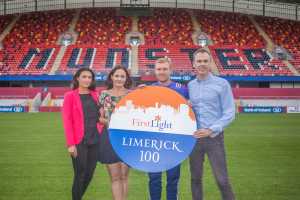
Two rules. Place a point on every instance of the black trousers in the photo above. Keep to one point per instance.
(214, 148)
(84, 166)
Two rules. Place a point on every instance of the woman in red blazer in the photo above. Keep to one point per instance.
(82, 128)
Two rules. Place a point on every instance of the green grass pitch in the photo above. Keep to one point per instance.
(263, 154)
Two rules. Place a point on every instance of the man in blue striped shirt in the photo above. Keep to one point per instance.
(213, 103)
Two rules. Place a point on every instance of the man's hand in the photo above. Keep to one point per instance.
(190, 103)
(201, 133)
(141, 86)
(72, 151)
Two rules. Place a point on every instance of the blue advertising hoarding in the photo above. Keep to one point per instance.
(12, 109)
(262, 109)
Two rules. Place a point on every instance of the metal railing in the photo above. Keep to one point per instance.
(256, 7)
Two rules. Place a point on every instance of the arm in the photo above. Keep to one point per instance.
(228, 111)
(102, 119)
(68, 120)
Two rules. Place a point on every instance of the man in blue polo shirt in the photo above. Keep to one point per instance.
(162, 72)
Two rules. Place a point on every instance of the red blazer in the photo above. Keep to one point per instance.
(73, 117)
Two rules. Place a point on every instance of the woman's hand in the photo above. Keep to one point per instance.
(102, 118)
(72, 151)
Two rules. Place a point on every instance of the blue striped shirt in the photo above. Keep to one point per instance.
(213, 103)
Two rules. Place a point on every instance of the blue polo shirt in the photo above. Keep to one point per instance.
(178, 87)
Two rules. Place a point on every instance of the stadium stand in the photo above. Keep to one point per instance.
(247, 61)
(167, 27)
(99, 58)
(285, 33)
(180, 55)
(229, 28)
(41, 28)
(238, 49)
(27, 59)
(4, 21)
(105, 30)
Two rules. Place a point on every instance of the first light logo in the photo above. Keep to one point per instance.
(157, 122)
(161, 117)
(151, 129)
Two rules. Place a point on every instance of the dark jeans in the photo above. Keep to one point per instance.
(84, 165)
(172, 184)
(214, 148)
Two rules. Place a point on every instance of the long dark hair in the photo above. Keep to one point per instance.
(75, 83)
(109, 82)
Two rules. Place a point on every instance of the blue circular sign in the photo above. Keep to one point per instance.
(151, 129)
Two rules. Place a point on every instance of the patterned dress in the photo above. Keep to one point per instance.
(107, 154)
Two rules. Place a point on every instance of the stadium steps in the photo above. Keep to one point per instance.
(133, 60)
(270, 44)
(35, 103)
(58, 60)
(71, 29)
(47, 100)
(9, 28)
(196, 26)
(197, 31)
(74, 20)
(291, 67)
(63, 49)
(133, 63)
(134, 25)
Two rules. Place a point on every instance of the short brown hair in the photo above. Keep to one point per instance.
(201, 50)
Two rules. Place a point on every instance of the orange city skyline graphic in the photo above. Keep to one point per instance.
(166, 111)
(160, 96)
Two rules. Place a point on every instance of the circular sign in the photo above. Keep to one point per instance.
(151, 129)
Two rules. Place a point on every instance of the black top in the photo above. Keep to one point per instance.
(91, 117)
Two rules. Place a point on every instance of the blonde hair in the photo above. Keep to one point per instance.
(164, 60)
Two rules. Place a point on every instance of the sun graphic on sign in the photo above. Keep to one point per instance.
(157, 117)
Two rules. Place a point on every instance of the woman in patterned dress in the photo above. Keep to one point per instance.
(118, 85)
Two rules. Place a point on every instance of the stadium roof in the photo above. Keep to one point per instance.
(284, 1)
